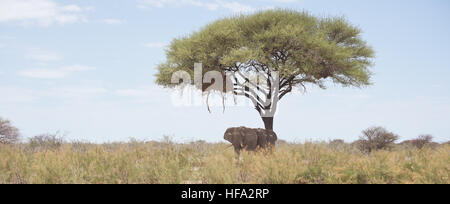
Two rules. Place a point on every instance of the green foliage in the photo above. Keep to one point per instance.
(302, 47)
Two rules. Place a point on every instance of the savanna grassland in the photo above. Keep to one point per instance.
(200, 162)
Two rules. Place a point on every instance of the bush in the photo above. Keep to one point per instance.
(8, 133)
(281, 142)
(81, 146)
(421, 142)
(376, 138)
(336, 144)
(46, 142)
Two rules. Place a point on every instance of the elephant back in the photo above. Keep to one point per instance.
(266, 137)
(250, 138)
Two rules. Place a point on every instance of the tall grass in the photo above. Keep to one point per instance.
(167, 162)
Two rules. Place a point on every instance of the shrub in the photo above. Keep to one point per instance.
(336, 144)
(81, 146)
(421, 142)
(46, 142)
(281, 142)
(8, 133)
(376, 138)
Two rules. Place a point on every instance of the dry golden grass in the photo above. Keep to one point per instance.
(153, 162)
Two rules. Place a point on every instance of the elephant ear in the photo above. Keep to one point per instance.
(250, 138)
(238, 138)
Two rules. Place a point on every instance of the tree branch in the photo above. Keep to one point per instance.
(245, 88)
(258, 106)
(251, 83)
(283, 93)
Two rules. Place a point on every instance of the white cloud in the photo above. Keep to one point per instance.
(43, 73)
(40, 12)
(155, 45)
(43, 55)
(2, 45)
(15, 94)
(71, 8)
(54, 73)
(111, 21)
(76, 92)
(77, 68)
(236, 7)
(213, 5)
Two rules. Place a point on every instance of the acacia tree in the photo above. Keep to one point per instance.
(8, 133)
(281, 49)
(376, 138)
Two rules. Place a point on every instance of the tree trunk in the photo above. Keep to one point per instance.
(268, 123)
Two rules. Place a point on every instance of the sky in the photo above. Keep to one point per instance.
(86, 69)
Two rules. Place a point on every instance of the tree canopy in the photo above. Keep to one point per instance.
(8, 133)
(301, 48)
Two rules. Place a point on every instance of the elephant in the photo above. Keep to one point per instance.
(250, 139)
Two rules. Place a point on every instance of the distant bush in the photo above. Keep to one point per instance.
(336, 144)
(421, 142)
(198, 142)
(8, 133)
(376, 138)
(356, 143)
(281, 142)
(81, 146)
(46, 142)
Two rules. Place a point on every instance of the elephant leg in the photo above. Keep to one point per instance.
(237, 148)
(262, 141)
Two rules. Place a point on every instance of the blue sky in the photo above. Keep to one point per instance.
(86, 68)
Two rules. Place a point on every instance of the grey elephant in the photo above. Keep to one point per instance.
(250, 139)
